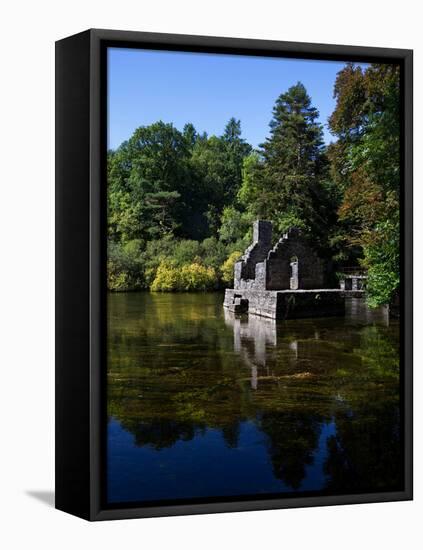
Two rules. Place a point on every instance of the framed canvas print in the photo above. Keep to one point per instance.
(233, 274)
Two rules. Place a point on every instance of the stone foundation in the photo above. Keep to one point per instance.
(286, 304)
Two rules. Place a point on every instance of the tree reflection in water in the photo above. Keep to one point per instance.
(286, 406)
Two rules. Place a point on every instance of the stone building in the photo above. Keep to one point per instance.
(290, 265)
(286, 280)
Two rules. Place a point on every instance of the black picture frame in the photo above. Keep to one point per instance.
(81, 251)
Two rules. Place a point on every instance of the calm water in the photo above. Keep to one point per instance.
(204, 404)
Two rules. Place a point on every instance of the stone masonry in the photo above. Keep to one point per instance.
(283, 281)
(290, 265)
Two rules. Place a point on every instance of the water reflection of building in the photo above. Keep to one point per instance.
(252, 336)
(298, 353)
(292, 434)
(256, 341)
(357, 311)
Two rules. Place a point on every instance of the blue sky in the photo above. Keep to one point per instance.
(207, 89)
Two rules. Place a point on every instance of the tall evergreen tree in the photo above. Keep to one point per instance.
(190, 134)
(286, 182)
(236, 149)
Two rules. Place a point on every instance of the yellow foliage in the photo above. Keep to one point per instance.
(117, 280)
(167, 278)
(227, 268)
(197, 277)
(188, 277)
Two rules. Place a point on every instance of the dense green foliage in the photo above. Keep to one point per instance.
(170, 198)
(181, 203)
(365, 164)
(188, 277)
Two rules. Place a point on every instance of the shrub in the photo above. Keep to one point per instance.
(227, 267)
(185, 251)
(213, 252)
(155, 253)
(171, 278)
(117, 280)
(382, 259)
(124, 271)
(167, 278)
(234, 224)
(197, 277)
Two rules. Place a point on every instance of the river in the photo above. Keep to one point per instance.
(203, 405)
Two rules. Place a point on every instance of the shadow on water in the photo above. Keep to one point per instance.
(203, 403)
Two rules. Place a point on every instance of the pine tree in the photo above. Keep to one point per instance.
(287, 185)
(236, 149)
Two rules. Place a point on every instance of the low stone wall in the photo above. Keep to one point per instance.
(286, 304)
(257, 302)
(301, 304)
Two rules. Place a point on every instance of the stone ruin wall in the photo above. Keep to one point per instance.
(264, 268)
(249, 272)
(310, 266)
